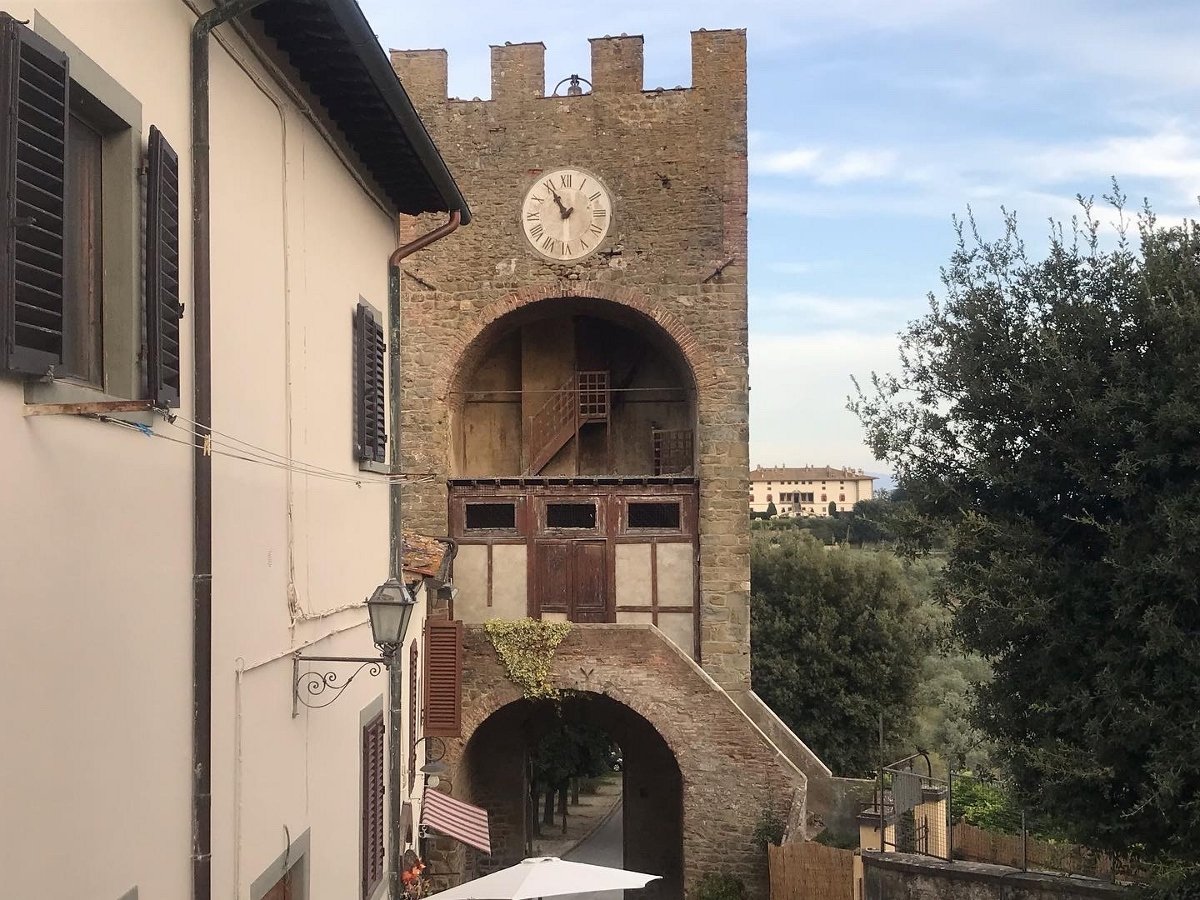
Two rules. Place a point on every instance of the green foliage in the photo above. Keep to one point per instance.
(568, 750)
(1046, 421)
(984, 805)
(720, 886)
(526, 649)
(846, 840)
(835, 643)
(771, 510)
(769, 829)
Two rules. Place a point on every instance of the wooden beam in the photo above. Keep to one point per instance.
(88, 409)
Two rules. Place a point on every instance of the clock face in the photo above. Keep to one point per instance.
(566, 214)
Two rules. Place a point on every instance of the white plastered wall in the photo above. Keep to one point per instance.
(95, 548)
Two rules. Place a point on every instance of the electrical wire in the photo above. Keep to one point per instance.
(215, 448)
(236, 443)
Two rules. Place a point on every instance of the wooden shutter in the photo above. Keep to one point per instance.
(413, 724)
(443, 678)
(370, 351)
(162, 273)
(372, 805)
(34, 85)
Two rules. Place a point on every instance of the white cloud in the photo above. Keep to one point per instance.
(819, 313)
(827, 167)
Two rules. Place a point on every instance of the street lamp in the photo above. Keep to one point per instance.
(390, 608)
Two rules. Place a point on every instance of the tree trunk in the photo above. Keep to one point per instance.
(548, 807)
(575, 791)
(562, 803)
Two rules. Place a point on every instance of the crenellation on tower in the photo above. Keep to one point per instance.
(617, 64)
(424, 74)
(518, 71)
(719, 59)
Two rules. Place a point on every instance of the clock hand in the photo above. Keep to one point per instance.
(566, 213)
(557, 199)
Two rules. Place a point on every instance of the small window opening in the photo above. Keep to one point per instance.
(570, 515)
(654, 515)
(491, 515)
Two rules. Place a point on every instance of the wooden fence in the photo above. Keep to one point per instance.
(807, 871)
(978, 845)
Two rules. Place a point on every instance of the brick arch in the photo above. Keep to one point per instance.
(483, 707)
(728, 771)
(467, 348)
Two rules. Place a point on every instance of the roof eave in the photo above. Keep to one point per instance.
(370, 52)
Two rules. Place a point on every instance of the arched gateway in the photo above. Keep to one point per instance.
(699, 775)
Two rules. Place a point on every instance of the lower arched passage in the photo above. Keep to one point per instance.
(493, 773)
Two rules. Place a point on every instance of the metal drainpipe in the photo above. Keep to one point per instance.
(396, 556)
(202, 521)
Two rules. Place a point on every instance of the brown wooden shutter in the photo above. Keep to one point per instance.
(34, 86)
(413, 724)
(443, 678)
(162, 273)
(372, 805)
(370, 350)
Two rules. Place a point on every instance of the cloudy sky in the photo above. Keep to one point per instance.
(872, 122)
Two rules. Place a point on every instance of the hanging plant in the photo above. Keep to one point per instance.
(526, 648)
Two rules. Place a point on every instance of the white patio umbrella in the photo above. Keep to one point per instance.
(545, 876)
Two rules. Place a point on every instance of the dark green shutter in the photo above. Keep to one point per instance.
(163, 357)
(370, 410)
(34, 85)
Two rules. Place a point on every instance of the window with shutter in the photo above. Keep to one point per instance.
(443, 678)
(413, 724)
(372, 805)
(370, 350)
(162, 272)
(34, 113)
(71, 219)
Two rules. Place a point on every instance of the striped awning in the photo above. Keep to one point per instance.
(456, 819)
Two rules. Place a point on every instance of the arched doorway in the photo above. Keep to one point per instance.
(493, 772)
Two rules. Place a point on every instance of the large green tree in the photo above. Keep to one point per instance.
(836, 641)
(1046, 417)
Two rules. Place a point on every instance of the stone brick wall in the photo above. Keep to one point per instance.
(730, 772)
(675, 163)
(905, 876)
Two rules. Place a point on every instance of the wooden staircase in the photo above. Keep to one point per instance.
(582, 399)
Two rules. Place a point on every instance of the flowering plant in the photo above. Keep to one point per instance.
(412, 877)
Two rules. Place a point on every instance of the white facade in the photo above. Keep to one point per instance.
(96, 536)
(808, 490)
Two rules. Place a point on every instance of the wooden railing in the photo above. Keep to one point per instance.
(672, 451)
(582, 398)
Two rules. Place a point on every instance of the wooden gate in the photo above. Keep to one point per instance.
(808, 871)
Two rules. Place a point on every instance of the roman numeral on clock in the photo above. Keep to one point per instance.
(594, 229)
(536, 231)
(594, 197)
(566, 180)
(532, 216)
(599, 213)
(548, 244)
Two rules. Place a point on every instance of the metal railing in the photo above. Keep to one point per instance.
(918, 812)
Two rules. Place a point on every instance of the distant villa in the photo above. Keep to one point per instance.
(808, 490)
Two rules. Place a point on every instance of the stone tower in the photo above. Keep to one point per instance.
(576, 382)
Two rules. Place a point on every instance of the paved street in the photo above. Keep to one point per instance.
(602, 848)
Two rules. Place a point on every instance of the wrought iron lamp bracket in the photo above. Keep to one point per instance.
(316, 690)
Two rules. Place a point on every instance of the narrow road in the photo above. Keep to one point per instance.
(603, 847)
